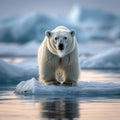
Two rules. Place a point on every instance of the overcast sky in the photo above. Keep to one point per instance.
(51, 7)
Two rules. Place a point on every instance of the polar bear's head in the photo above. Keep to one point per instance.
(60, 41)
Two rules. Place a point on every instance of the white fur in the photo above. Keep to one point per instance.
(55, 64)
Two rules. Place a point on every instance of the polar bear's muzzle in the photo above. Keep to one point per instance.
(61, 46)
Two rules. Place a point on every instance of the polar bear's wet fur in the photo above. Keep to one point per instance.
(58, 58)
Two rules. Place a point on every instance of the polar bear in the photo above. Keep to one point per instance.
(58, 58)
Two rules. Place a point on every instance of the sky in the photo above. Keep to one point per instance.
(54, 7)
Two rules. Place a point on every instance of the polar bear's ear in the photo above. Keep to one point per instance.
(72, 32)
(48, 33)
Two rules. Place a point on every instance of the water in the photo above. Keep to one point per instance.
(21, 107)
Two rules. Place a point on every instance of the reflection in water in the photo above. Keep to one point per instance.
(59, 109)
(14, 107)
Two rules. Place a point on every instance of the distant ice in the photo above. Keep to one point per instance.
(95, 24)
(27, 28)
(14, 73)
(79, 14)
(83, 89)
(89, 24)
(18, 50)
(106, 59)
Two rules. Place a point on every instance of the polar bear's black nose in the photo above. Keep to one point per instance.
(61, 46)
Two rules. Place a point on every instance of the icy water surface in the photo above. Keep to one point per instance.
(36, 107)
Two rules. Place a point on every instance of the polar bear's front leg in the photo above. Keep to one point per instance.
(72, 75)
(47, 76)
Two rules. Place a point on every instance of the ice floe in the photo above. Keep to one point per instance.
(83, 89)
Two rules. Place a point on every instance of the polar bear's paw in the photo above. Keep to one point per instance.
(69, 84)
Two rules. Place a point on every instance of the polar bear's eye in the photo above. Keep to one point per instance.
(65, 38)
(56, 38)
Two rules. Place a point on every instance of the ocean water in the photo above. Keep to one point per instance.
(84, 107)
